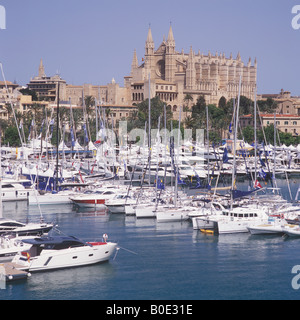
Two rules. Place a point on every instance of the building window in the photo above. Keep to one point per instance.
(286, 123)
(294, 123)
(278, 122)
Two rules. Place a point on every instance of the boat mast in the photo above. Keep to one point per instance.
(177, 159)
(234, 143)
(255, 139)
(274, 152)
(149, 129)
(1, 209)
(207, 138)
(57, 141)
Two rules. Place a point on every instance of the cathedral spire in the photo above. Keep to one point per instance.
(41, 70)
(149, 43)
(149, 37)
(135, 62)
(171, 40)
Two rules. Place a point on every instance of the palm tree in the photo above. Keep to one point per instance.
(134, 115)
(89, 104)
(189, 122)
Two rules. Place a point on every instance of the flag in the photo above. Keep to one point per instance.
(160, 185)
(85, 132)
(257, 184)
(230, 127)
(180, 181)
(225, 156)
(31, 125)
(262, 162)
(262, 174)
(72, 137)
(41, 131)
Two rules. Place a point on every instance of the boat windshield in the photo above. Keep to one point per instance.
(63, 245)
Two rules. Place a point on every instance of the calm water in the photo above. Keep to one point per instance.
(162, 261)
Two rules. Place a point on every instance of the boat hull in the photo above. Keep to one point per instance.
(28, 230)
(202, 223)
(265, 229)
(90, 203)
(172, 215)
(145, 211)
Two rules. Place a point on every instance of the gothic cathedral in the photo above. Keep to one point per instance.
(174, 75)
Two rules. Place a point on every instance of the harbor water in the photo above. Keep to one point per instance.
(162, 261)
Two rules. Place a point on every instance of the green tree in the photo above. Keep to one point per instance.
(246, 105)
(267, 106)
(28, 92)
(248, 134)
(11, 136)
(157, 110)
(199, 107)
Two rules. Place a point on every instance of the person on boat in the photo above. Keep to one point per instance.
(105, 237)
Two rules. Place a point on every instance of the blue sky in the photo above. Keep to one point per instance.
(93, 41)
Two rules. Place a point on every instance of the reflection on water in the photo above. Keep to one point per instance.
(67, 283)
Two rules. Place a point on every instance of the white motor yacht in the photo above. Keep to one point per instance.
(47, 253)
(240, 219)
(14, 190)
(94, 199)
(118, 203)
(16, 227)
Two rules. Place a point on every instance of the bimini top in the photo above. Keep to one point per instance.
(53, 240)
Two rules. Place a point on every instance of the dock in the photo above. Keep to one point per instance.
(12, 273)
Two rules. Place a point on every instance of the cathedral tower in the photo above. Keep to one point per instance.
(149, 54)
(191, 71)
(170, 57)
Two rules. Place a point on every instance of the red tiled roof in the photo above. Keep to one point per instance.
(280, 115)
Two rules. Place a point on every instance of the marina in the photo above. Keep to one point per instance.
(126, 206)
